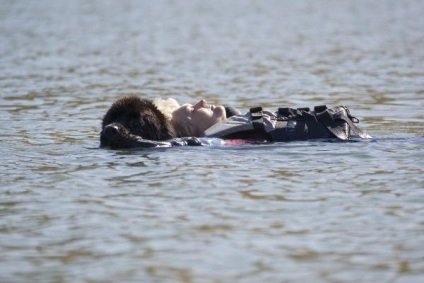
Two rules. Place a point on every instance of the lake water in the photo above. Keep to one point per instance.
(286, 212)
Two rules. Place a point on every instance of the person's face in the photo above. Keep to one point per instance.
(199, 116)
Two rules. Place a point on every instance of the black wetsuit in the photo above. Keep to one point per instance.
(289, 124)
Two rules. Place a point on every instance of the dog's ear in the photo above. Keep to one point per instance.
(157, 126)
(150, 127)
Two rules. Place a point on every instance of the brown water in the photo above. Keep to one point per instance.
(287, 212)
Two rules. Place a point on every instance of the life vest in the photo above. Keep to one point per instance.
(289, 124)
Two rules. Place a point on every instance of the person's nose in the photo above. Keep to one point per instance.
(202, 103)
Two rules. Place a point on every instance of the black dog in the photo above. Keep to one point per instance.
(132, 120)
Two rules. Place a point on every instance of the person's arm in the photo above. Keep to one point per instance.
(187, 141)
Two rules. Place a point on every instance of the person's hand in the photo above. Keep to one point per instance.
(186, 141)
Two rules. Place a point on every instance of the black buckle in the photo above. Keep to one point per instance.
(256, 112)
(320, 108)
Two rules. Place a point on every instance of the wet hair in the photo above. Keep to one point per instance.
(167, 106)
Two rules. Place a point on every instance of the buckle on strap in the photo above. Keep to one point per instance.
(257, 118)
(256, 112)
(320, 108)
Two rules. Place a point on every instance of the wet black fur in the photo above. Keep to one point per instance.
(132, 118)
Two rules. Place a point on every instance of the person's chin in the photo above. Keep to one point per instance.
(219, 112)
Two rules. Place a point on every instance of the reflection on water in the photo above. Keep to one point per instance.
(287, 212)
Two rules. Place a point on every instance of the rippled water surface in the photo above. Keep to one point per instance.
(286, 212)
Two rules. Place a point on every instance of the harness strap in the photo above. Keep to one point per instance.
(354, 128)
(288, 112)
(314, 127)
(328, 121)
(320, 108)
(257, 118)
(333, 124)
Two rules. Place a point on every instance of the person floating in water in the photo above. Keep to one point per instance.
(133, 122)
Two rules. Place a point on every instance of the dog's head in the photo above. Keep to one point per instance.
(132, 117)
